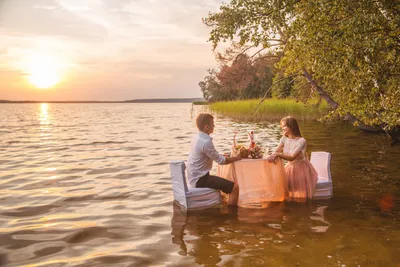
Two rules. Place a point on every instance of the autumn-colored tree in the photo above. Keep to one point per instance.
(244, 78)
(234, 78)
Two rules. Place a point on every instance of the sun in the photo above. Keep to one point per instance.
(43, 71)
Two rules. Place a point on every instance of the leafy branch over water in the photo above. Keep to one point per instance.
(347, 51)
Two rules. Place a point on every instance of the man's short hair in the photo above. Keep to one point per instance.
(203, 119)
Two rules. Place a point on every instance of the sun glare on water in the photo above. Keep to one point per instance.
(43, 71)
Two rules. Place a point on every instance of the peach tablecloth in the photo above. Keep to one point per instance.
(259, 180)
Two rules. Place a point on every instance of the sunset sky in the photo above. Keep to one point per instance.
(103, 49)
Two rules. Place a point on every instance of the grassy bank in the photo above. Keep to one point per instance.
(270, 109)
(200, 103)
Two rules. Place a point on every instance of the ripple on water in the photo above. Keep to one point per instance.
(90, 233)
(123, 176)
(119, 260)
(29, 211)
(282, 246)
(101, 171)
(80, 198)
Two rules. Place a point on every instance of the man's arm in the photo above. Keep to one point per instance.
(212, 153)
(229, 160)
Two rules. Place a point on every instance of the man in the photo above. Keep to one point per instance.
(201, 158)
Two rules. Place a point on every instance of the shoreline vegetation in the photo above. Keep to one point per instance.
(349, 57)
(148, 100)
(270, 109)
(200, 103)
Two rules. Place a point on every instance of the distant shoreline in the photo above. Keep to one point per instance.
(150, 100)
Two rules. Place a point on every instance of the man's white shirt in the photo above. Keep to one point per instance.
(201, 157)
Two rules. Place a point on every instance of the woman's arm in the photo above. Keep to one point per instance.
(272, 157)
(279, 148)
(296, 153)
(288, 157)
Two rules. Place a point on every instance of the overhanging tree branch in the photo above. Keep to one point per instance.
(266, 92)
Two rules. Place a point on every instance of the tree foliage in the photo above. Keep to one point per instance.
(212, 90)
(242, 79)
(348, 51)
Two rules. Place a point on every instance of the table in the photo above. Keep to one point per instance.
(258, 180)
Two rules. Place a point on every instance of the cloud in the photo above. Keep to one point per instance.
(145, 41)
(46, 18)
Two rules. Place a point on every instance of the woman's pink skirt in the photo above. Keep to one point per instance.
(302, 179)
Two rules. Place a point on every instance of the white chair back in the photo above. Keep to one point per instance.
(322, 161)
(179, 185)
(189, 197)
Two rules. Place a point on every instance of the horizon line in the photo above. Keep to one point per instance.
(108, 101)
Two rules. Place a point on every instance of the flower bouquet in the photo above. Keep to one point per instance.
(242, 150)
(254, 151)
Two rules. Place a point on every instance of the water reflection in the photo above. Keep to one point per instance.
(44, 114)
(226, 235)
(45, 128)
(318, 215)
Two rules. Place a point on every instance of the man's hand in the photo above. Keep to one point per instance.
(235, 153)
(232, 158)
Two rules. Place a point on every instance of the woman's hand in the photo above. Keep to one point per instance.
(273, 157)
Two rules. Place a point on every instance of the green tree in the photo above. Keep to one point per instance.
(283, 88)
(347, 51)
(263, 74)
(210, 86)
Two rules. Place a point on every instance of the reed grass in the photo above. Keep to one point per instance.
(271, 109)
(200, 103)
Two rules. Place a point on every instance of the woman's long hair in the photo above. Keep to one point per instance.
(292, 124)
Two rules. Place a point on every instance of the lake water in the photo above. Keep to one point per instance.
(89, 185)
